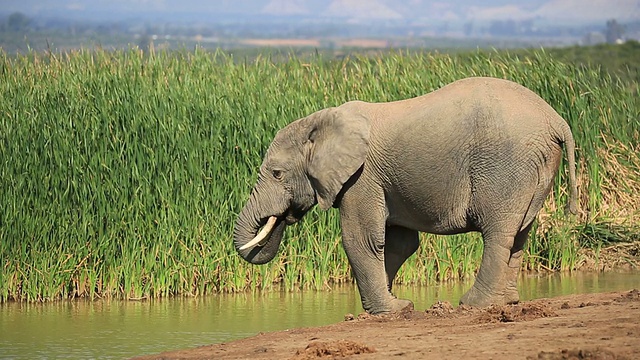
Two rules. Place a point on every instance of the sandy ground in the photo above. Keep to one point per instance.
(583, 326)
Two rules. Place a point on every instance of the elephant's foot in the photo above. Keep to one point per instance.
(393, 305)
(511, 295)
(478, 298)
(401, 305)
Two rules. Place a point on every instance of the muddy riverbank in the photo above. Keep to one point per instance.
(581, 326)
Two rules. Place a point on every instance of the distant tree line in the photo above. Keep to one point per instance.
(16, 22)
(143, 33)
(614, 31)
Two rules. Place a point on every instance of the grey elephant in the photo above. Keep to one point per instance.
(479, 154)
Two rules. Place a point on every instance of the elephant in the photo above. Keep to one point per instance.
(477, 155)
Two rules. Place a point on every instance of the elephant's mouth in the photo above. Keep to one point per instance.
(264, 235)
(293, 216)
(268, 227)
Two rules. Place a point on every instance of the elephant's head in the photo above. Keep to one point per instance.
(308, 162)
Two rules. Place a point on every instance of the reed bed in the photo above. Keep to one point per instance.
(121, 173)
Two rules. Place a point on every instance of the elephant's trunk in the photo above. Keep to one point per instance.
(265, 233)
(254, 247)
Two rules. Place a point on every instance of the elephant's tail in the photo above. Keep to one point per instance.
(569, 146)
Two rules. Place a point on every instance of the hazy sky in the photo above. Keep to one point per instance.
(450, 10)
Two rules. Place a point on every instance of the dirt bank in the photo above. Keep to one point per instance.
(587, 326)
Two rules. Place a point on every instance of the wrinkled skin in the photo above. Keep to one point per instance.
(477, 155)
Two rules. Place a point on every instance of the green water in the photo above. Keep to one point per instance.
(117, 329)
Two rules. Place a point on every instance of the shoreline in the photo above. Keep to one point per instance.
(602, 325)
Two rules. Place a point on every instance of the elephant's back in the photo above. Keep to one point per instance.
(503, 99)
(445, 145)
(476, 105)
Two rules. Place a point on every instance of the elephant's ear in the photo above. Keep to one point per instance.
(339, 142)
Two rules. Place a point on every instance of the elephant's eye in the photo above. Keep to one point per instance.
(277, 174)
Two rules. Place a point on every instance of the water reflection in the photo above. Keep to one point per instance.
(115, 329)
(536, 286)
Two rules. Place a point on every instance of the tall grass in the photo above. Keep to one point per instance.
(121, 174)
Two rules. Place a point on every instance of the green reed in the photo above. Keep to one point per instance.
(121, 174)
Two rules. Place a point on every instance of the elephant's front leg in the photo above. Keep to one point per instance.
(363, 236)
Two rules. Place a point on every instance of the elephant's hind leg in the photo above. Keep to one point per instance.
(494, 275)
(511, 295)
(400, 243)
(545, 181)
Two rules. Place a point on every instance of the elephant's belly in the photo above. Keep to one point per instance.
(443, 213)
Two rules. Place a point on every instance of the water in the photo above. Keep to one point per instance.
(120, 329)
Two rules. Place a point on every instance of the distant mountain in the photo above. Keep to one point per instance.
(357, 9)
(461, 10)
(285, 8)
(593, 10)
(360, 10)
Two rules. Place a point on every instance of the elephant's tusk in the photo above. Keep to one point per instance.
(266, 230)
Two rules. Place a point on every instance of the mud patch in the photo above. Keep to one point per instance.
(633, 295)
(408, 313)
(590, 303)
(511, 313)
(332, 350)
(577, 354)
(440, 309)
